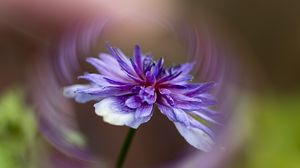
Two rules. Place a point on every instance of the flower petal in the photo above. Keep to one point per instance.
(123, 61)
(203, 87)
(114, 111)
(164, 91)
(137, 70)
(133, 102)
(115, 82)
(144, 111)
(95, 78)
(107, 69)
(185, 68)
(158, 67)
(108, 59)
(175, 115)
(107, 91)
(207, 99)
(169, 77)
(147, 63)
(167, 111)
(138, 56)
(205, 117)
(195, 137)
(182, 116)
(71, 92)
(150, 78)
(187, 103)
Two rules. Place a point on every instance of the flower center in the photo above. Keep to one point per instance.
(147, 94)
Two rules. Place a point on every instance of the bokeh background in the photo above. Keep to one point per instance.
(264, 34)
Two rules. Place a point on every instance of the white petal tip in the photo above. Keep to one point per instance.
(115, 114)
(196, 137)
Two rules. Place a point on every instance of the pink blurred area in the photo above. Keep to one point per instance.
(42, 14)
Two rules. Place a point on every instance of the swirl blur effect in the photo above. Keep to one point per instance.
(45, 45)
(57, 114)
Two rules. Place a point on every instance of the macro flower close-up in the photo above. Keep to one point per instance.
(127, 89)
(149, 84)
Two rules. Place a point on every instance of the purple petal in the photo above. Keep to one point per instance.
(148, 95)
(108, 69)
(95, 78)
(137, 70)
(133, 102)
(208, 111)
(194, 132)
(122, 59)
(181, 97)
(182, 116)
(185, 68)
(197, 124)
(167, 111)
(108, 59)
(187, 103)
(193, 86)
(179, 88)
(147, 63)
(207, 101)
(183, 79)
(107, 91)
(150, 77)
(169, 99)
(203, 87)
(175, 115)
(136, 79)
(158, 67)
(114, 111)
(168, 78)
(205, 117)
(138, 57)
(144, 110)
(116, 82)
(164, 91)
(122, 56)
(70, 92)
(98, 64)
(173, 86)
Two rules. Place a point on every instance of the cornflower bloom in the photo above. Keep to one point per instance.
(126, 89)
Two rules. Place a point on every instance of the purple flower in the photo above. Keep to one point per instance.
(126, 89)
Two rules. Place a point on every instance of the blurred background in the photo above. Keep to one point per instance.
(265, 39)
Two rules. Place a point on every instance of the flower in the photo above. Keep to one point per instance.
(126, 89)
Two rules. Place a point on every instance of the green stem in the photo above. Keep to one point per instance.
(125, 148)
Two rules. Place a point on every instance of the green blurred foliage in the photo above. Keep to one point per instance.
(275, 134)
(17, 131)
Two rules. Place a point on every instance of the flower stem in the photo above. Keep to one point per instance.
(125, 148)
